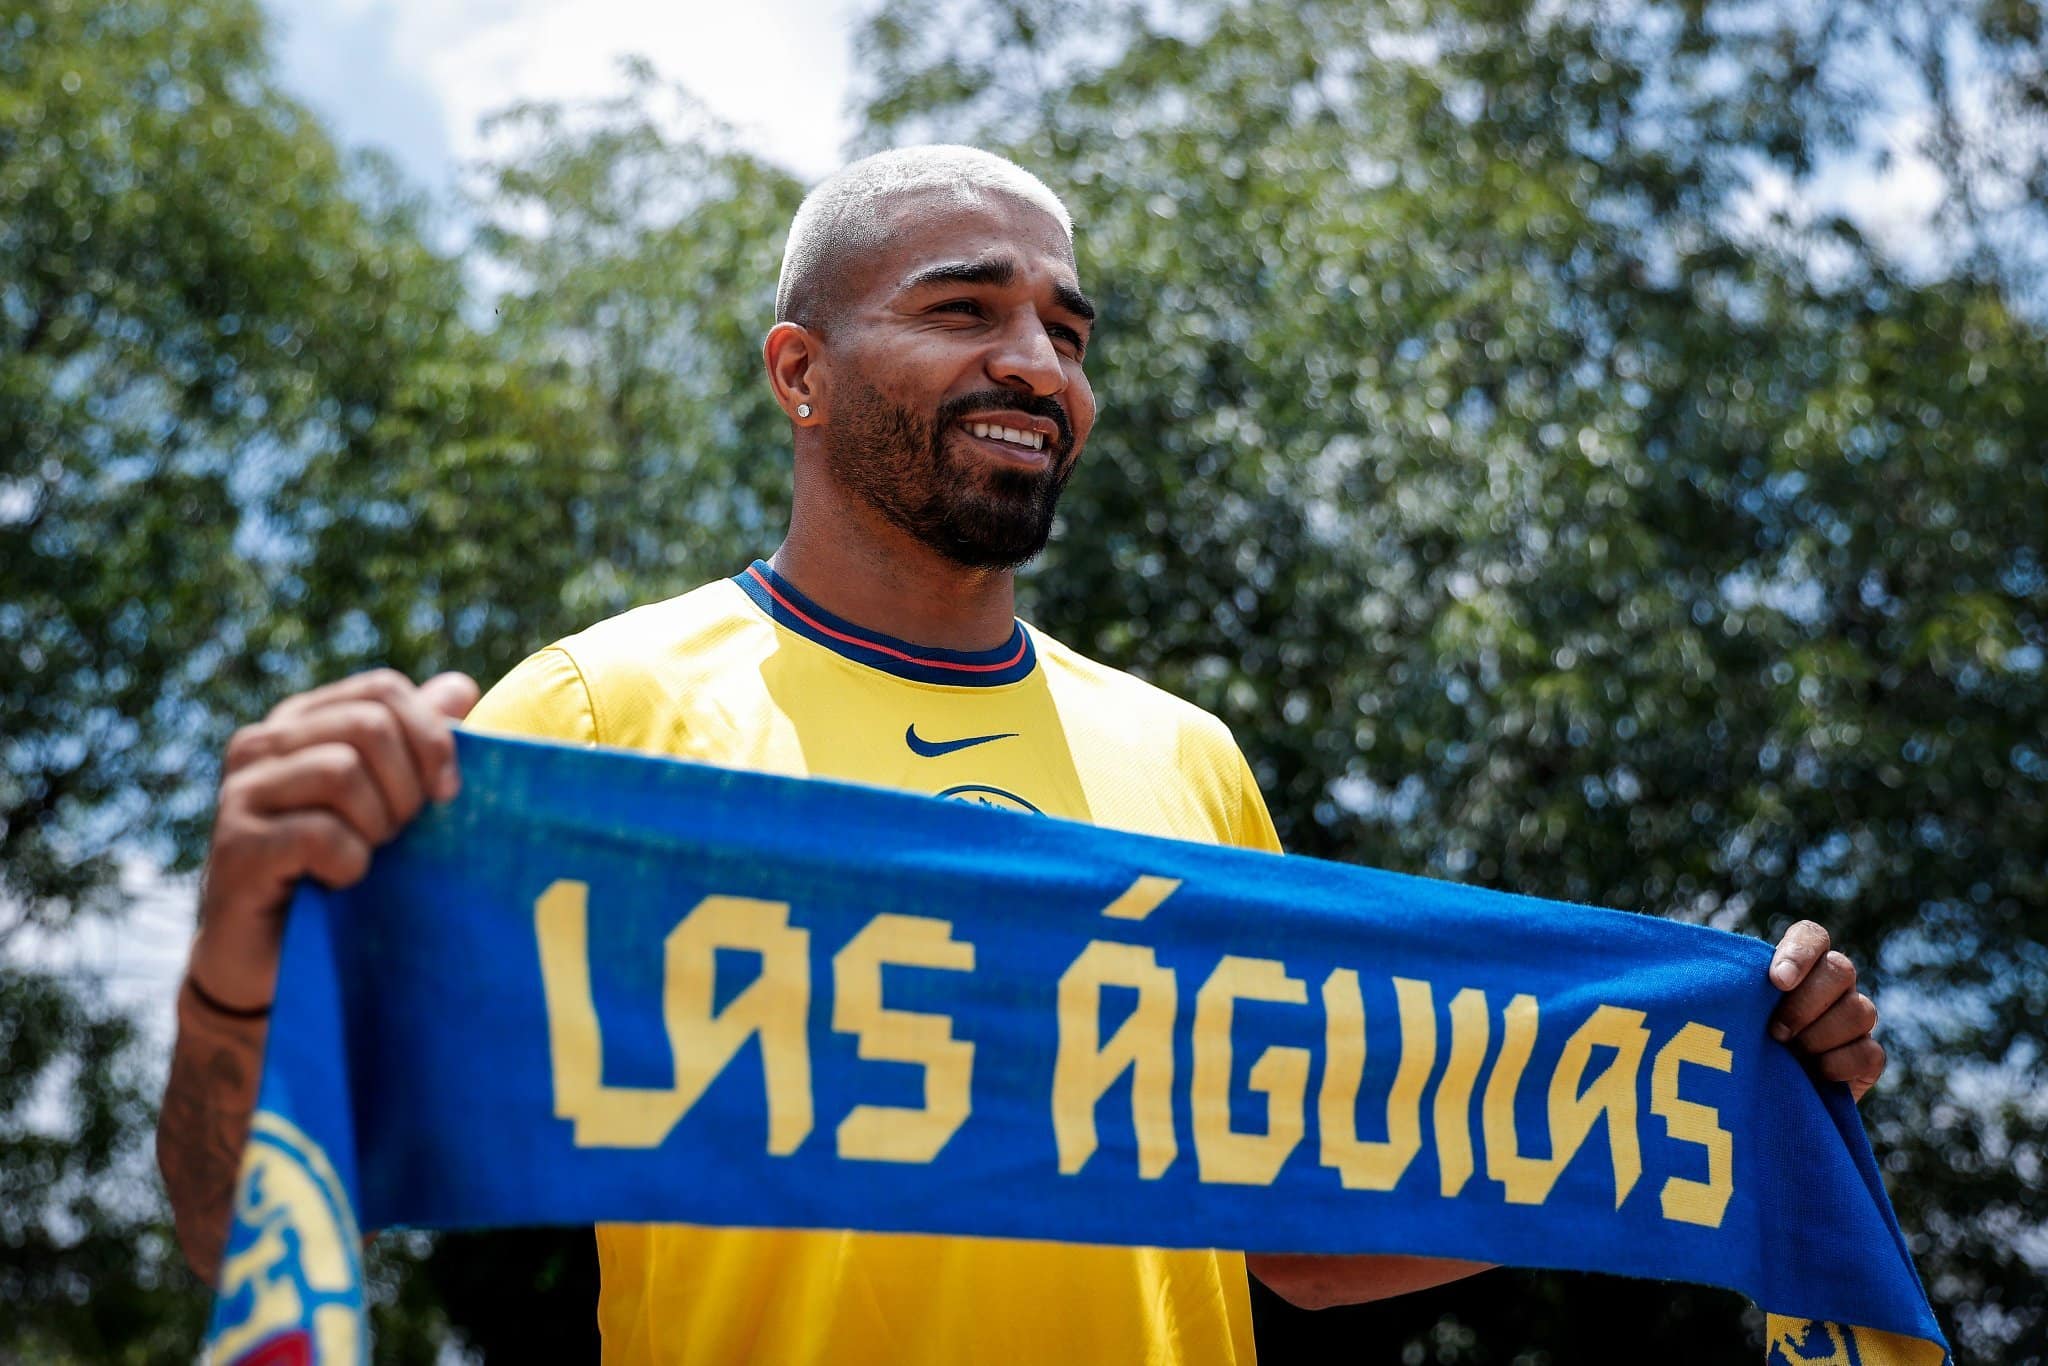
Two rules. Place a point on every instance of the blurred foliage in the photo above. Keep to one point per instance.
(1539, 505)
(89, 1271)
(192, 286)
(608, 440)
(1536, 519)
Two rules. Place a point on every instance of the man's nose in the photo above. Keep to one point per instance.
(1025, 356)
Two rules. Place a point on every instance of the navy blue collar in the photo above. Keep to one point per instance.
(778, 597)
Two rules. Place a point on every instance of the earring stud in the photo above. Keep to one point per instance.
(803, 410)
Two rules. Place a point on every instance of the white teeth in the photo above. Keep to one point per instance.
(990, 430)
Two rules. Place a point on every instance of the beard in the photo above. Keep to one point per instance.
(975, 514)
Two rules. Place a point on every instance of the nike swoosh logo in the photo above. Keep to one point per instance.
(932, 749)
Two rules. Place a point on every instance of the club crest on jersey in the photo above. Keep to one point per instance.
(292, 1278)
(981, 794)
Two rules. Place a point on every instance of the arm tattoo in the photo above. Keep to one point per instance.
(204, 1122)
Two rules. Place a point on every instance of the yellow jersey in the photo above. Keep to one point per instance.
(749, 673)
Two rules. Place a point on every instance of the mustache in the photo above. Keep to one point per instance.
(1038, 405)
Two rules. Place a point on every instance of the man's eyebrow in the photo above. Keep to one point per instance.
(997, 271)
(1073, 300)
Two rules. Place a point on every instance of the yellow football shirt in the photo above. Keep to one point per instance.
(749, 673)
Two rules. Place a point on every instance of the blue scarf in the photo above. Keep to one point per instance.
(538, 1006)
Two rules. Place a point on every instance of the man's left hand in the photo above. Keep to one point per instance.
(1823, 1015)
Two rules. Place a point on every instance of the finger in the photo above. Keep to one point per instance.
(255, 858)
(371, 728)
(1829, 981)
(370, 684)
(1801, 948)
(327, 777)
(1859, 1064)
(250, 870)
(428, 733)
(1848, 1019)
(322, 846)
(451, 694)
(431, 734)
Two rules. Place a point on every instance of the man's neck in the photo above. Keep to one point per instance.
(855, 565)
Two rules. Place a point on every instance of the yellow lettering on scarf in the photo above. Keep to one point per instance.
(1453, 1108)
(1143, 1044)
(1686, 1200)
(1365, 1164)
(775, 1007)
(892, 1133)
(701, 1042)
(1224, 1154)
(1573, 1111)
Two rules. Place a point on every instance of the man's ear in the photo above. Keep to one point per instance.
(795, 361)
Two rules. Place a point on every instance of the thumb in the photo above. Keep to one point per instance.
(451, 694)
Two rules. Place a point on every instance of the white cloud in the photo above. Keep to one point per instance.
(416, 78)
(1893, 203)
(340, 57)
(1885, 186)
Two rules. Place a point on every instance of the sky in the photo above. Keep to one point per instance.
(415, 78)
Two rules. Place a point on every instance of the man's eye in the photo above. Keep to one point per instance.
(959, 306)
(1068, 335)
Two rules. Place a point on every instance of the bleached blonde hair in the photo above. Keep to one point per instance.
(847, 212)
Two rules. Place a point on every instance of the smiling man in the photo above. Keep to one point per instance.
(929, 349)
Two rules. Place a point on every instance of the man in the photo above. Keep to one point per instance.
(929, 349)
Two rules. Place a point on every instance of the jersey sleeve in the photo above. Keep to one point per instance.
(1226, 787)
(1254, 823)
(543, 698)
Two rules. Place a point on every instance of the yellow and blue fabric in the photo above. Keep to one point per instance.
(608, 987)
(1206, 1056)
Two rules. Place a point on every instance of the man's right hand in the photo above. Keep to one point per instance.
(310, 791)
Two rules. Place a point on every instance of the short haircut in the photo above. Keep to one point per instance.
(846, 215)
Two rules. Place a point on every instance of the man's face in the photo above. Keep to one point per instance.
(969, 324)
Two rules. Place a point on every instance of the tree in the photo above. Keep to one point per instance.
(607, 442)
(189, 279)
(249, 443)
(1536, 522)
